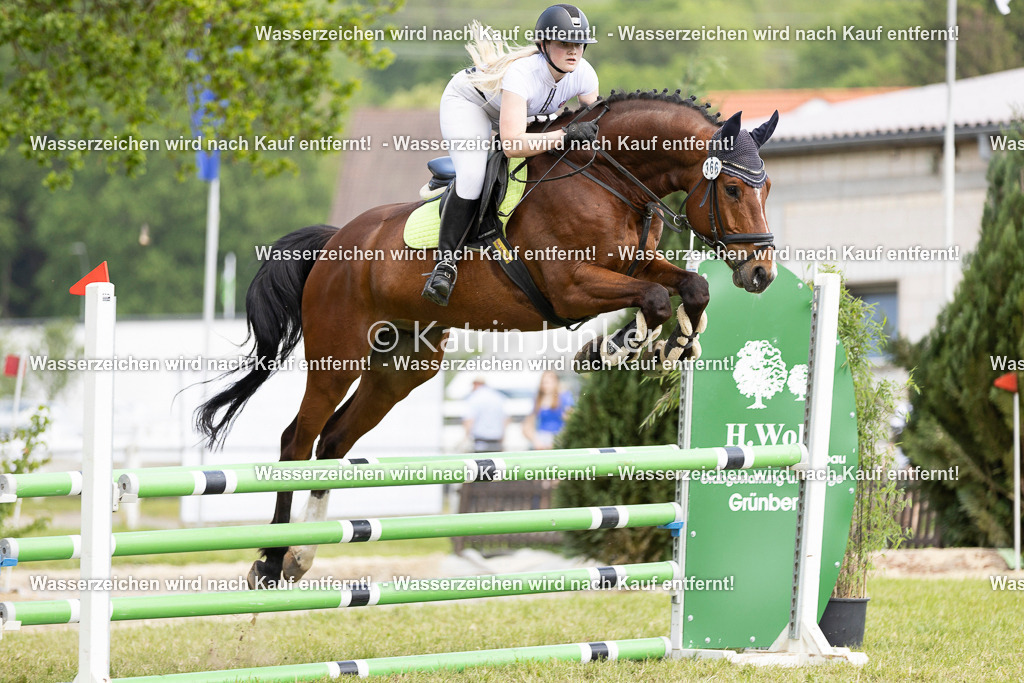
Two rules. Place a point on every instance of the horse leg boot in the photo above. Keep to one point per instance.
(299, 558)
(455, 221)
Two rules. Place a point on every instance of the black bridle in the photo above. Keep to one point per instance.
(719, 243)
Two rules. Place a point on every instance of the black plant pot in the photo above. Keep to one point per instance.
(843, 621)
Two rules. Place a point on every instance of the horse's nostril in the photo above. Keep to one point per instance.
(760, 276)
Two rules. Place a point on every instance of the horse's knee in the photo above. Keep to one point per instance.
(656, 305)
(696, 293)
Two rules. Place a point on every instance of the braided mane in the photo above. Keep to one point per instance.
(665, 96)
(635, 96)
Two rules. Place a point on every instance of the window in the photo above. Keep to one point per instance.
(886, 308)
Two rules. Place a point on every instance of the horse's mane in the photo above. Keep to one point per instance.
(665, 96)
(655, 95)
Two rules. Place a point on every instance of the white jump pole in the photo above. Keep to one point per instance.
(801, 641)
(97, 487)
(803, 636)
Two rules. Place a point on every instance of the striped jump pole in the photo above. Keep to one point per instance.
(608, 462)
(646, 576)
(55, 484)
(348, 531)
(95, 609)
(611, 650)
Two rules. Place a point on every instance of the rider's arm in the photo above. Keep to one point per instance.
(516, 142)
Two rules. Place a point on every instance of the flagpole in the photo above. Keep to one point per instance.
(949, 150)
(1016, 480)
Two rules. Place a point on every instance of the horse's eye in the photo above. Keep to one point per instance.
(732, 191)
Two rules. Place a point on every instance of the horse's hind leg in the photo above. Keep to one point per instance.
(323, 392)
(380, 388)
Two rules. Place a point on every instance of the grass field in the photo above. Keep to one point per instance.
(917, 630)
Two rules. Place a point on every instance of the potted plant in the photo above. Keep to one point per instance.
(878, 501)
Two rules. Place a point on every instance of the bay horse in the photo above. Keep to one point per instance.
(339, 306)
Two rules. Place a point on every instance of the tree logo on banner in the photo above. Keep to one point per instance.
(760, 372)
(797, 382)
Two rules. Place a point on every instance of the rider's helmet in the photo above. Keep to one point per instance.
(565, 23)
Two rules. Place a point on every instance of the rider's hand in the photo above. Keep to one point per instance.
(576, 133)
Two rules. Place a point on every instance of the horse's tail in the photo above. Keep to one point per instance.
(273, 307)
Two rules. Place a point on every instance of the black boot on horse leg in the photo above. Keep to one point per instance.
(625, 345)
(683, 343)
(455, 223)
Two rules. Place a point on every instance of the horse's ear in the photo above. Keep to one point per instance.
(731, 128)
(765, 130)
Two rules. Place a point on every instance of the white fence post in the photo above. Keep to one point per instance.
(97, 485)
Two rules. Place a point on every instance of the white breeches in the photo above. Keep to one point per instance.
(462, 119)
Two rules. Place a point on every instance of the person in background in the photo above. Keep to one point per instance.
(485, 419)
(550, 409)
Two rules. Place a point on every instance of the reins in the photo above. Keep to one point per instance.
(719, 243)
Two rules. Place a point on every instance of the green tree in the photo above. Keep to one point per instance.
(99, 70)
(164, 274)
(23, 450)
(22, 198)
(610, 410)
(959, 419)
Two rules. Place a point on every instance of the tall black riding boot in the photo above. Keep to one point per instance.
(455, 218)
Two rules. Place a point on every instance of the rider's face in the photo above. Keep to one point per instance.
(566, 56)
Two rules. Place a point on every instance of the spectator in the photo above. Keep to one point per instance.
(550, 409)
(485, 419)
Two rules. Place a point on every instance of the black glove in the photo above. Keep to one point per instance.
(576, 133)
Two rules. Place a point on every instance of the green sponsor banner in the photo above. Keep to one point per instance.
(741, 531)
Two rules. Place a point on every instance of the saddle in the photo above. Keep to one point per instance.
(504, 184)
(503, 188)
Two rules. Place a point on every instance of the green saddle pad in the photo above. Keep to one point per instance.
(424, 224)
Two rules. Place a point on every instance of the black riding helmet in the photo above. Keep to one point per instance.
(565, 23)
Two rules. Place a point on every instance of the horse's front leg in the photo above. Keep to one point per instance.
(596, 290)
(690, 316)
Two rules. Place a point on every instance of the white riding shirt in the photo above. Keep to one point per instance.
(467, 114)
(531, 79)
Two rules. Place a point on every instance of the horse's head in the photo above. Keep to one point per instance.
(729, 211)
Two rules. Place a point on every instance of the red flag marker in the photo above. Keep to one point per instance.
(11, 366)
(1007, 382)
(98, 274)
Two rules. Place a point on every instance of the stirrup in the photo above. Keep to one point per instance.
(441, 282)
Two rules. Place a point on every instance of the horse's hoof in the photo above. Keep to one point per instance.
(297, 562)
(262, 576)
(654, 362)
(588, 357)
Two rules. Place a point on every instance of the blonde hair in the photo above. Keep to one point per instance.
(492, 57)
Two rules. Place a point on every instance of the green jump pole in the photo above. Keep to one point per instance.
(43, 548)
(618, 462)
(49, 484)
(404, 590)
(642, 648)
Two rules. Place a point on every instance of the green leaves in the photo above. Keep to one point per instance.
(89, 71)
(959, 418)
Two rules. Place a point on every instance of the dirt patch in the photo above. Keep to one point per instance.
(942, 563)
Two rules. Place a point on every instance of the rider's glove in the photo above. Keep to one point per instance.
(576, 133)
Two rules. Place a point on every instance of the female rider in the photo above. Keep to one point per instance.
(501, 91)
